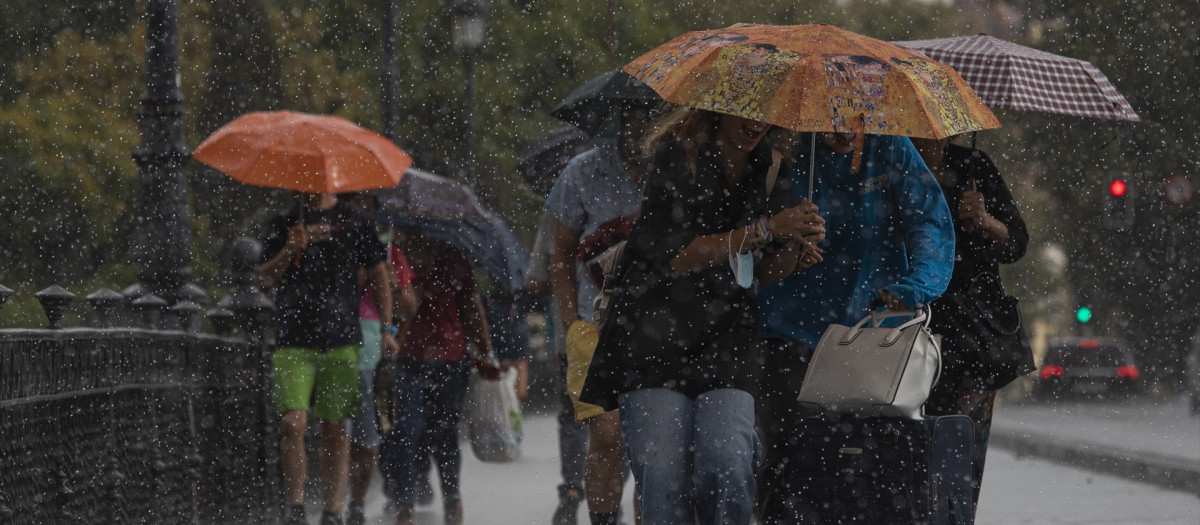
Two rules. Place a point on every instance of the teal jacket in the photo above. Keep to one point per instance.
(888, 228)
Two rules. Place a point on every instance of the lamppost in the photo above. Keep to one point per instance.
(388, 74)
(470, 20)
(161, 244)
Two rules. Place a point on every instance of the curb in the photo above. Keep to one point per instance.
(1156, 469)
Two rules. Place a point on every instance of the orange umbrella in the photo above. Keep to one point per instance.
(302, 152)
(813, 78)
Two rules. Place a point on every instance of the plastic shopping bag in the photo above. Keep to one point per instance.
(494, 417)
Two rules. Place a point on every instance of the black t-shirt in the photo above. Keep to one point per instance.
(316, 302)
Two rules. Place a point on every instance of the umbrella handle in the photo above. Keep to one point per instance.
(299, 254)
(812, 164)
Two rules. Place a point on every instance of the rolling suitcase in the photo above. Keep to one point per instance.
(874, 471)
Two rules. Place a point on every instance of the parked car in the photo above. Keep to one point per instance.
(1088, 367)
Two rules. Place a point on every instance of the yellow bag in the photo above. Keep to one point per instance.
(581, 346)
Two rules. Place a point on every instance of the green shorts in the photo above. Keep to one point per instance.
(329, 379)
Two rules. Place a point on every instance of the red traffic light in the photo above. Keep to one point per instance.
(1117, 188)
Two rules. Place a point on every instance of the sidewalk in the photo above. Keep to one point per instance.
(523, 492)
(1156, 443)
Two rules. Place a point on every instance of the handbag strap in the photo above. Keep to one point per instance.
(921, 316)
(773, 172)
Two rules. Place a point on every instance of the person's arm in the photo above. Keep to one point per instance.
(797, 224)
(926, 225)
(537, 280)
(269, 273)
(474, 320)
(475, 324)
(563, 276)
(381, 287)
(1004, 226)
(406, 303)
(802, 227)
(975, 210)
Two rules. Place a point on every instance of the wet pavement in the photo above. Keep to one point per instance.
(1154, 442)
(1019, 488)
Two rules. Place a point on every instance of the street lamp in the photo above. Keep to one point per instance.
(470, 21)
(162, 240)
(387, 75)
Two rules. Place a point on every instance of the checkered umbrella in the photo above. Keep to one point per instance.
(1010, 76)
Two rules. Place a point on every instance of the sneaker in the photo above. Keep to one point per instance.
(356, 515)
(296, 515)
(567, 512)
(331, 518)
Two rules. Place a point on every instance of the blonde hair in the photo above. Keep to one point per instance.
(688, 126)
(691, 127)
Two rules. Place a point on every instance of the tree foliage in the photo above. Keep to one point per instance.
(71, 78)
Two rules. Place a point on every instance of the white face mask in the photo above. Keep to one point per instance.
(742, 264)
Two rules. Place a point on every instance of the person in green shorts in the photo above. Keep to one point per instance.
(311, 257)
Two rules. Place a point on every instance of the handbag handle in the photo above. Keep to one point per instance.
(921, 316)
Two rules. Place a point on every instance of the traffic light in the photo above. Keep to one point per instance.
(1083, 314)
(1118, 212)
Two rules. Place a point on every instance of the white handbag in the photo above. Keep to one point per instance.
(868, 370)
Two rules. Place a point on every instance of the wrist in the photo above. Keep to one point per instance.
(389, 329)
(764, 230)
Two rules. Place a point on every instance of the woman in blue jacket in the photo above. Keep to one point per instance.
(889, 237)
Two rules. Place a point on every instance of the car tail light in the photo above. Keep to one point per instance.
(1129, 371)
(1049, 371)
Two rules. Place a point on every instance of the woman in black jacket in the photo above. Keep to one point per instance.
(988, 232)
(678, 351)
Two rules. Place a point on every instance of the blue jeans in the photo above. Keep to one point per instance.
(692, 458)
(429, 402)
(364, 429)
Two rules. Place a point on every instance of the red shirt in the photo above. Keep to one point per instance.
(444, 285)
(404, 276)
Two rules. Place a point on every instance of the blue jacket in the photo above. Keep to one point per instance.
(888, 228)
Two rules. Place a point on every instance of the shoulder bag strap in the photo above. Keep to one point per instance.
(773, 172)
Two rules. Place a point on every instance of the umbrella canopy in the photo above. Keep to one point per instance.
(594, 105)
(302, 152)
(813, 78)
(448, 210)
(540, 162)
(1012, 76)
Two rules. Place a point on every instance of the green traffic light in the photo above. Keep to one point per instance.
(1083, 314)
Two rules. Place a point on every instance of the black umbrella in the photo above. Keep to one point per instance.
(593, 106)
(540, 162)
